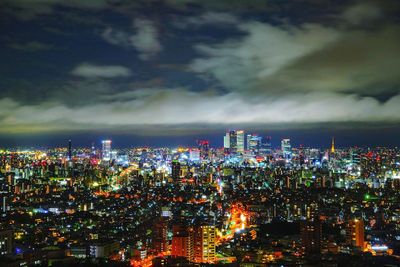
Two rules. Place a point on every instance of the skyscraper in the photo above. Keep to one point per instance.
(160, 236)
(204, 244)
(175, 170)
(182, 241)
(6, 242)
(253, 142)
(311, 232)
(266, 146)
(93, 150)
(240, 142)
(4, 205)
(355, 156)
(106, 150)
(333, 145)
(286, 148)
(355, 233)
(69, 150)
(234, 141)
(204, 147)
(227, 142)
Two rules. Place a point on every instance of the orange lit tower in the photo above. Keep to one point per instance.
(355, 233)
(160, 236)
(182, 242)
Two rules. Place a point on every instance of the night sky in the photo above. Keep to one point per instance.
(165, 72)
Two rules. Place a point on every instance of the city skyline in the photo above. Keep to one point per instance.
(143, 207)
(233, 133)
(307, 138)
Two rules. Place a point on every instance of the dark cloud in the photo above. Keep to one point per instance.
(207, 18)
(224, 5)
(140, 70)
(362, 62)
(240, 64)
(29, 9)
(280, 59)
(361, 13)
(144, 38)
(32, 46)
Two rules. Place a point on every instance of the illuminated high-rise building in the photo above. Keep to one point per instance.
(93, 150)
(253, 142)
(355, 233)
(106, 150)
(6, 242)
(69, 150)
(311, 230)
(286, 148)
(355, 156)
(4, 205)
(234, 141)
(311, 235)
(226, 142)
(204, 244)
(312, 211)
(204, 147)
(160, 230)
(240, 141)
(182, 242)
(266, 146)
(333, 145)
(176, 170)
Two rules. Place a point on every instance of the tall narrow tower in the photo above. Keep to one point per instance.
(333, 145)
(69, 150)
(355, 233)
(286, 148)
(106, 150)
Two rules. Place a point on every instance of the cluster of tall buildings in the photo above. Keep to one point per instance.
(236, 141)
(197, 244)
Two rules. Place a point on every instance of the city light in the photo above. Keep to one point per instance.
(176, 205)
(190, 133)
